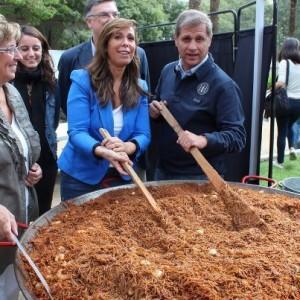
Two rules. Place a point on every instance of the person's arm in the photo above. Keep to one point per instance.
(57, 106)
(114, 157)
(230, 135)
(280, 83)
(64, 81)
(8, 225)
(80, 99)
(187, 139)
(116, 144)
(144, 67)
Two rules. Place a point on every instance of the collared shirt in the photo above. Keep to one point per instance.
(190, 72)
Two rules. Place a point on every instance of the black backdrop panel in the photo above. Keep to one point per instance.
(238, 164)
(161, 53)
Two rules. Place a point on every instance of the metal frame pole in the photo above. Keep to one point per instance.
(258, 48)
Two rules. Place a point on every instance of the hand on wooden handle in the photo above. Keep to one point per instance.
(136, 178)
(119, 160)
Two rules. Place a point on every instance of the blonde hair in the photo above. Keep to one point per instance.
(8, 30)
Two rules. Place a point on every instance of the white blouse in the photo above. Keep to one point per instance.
(293, 89)
(118, 120)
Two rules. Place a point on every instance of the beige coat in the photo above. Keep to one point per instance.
(12, 166)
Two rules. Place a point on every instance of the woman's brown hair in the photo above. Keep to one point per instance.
(101, 76)
(290, 50)
(46, 64)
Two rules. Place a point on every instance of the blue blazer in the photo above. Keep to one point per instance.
(79, 57)
(85, 117)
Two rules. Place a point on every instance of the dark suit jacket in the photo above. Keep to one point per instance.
(79, 57)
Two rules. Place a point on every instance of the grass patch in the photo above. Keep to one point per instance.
(291, 169)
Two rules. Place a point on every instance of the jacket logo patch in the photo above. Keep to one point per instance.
(202, 88)
(196, 100)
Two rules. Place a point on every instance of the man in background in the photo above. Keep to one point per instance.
(96, 13)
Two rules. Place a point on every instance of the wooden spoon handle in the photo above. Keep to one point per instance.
(216, 180)
(129, 169)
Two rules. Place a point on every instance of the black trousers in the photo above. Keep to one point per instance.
(45, 186)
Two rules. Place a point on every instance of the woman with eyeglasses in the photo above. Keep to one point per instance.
(19, 151)
(108, 94)
(35, 81)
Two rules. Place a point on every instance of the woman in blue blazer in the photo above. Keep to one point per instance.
(108, 94)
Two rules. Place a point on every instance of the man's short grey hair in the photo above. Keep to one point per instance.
(191, 18)
(90, 3)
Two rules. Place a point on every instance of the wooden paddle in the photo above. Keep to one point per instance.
(129, 169)
(242, 215)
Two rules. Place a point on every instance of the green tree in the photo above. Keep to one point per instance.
(62, 23)
(195, 4)
(293, 17)
(50, 16)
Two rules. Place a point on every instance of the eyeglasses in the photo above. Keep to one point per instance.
(105, 14)
(10, 50)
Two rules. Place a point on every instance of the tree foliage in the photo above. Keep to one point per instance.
(37, 11)
(62, 23)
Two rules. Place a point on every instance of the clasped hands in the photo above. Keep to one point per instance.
(116, 151)
(34, 175)
(186, 139)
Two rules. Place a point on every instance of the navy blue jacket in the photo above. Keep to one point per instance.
(206, 103)
(79, 57)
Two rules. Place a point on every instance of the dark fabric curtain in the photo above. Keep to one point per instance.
(238, 164)
(161, 53)
(222, 51)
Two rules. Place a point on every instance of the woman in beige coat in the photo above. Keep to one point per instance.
(19, 151)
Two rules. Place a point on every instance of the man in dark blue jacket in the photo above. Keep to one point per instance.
(204, 100)
(97, 13)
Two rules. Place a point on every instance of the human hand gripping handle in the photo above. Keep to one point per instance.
(9, 232)
(135, 178)
(155, 108)
(8, 224)
(116, 157)
(216, 180)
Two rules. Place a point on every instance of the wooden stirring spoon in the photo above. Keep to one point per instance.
(242, 214)
(129, 169)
